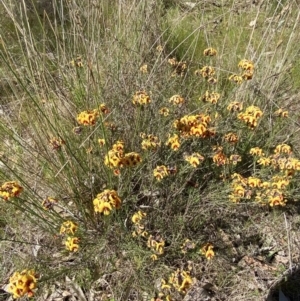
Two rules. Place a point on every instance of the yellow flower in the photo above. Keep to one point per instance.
(154, 257)
(181, 281)
(239, 190)
(236, 78)
(101, 142)
(250, 116)
(246, 65)
(77, 62)
(207, 250)
(144, 68)
(72, 244)
(281, 113)
(254, 182)
(21, 284)
(156, 244)
(234, 159)
(264, 161)
(220, 159)
(103, 108)
(160, 172)
(10, 189)
(235, 106)
(210, 52)
(88, 117)
(138, 216)
(150, 141)
(211, 97)
(106, 201)
(130, 159)
(206, 71)
(256, 151)
(231, 138)
(173, 142)
(141, 97)
(159, 48)
(164, 111)
(283, 149)
(177, 100)
(68, 227)
(179, 68)
(195, 159)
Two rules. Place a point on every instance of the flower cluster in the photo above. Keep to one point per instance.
(88, 117)
(271, 192)
(72, 243)
(211, 97)
(164, 111)
(149, 141)
(69, 228)
(247, 72)
(281, 113)
(173, 142)
(144, 69)
(179, 68)
(194, 126)
(162, 171)
(117, 159)
(251, 116)
(210, 52)
(106, 201)
(238, 79)
(156, 244)
(206, 71)
(139, 228)
(77, 62)
(10, 189)
(179, 280)
(141, 97)
(23, 283)
(207, 251)
(232, 138)
(194, 159)
(219, 158)
(248, 69)
(235, 106)
(177, 100)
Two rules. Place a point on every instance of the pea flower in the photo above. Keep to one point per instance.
(72, 243)
(210, 52)
(195, 159)
(106, 201)
(207, 251)
(177, 100)
(160, 172)
(68, 227)
(88, 117)
(173, 142)
(10, 189)
(23, 283)
(164, 111)
(141, 97)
